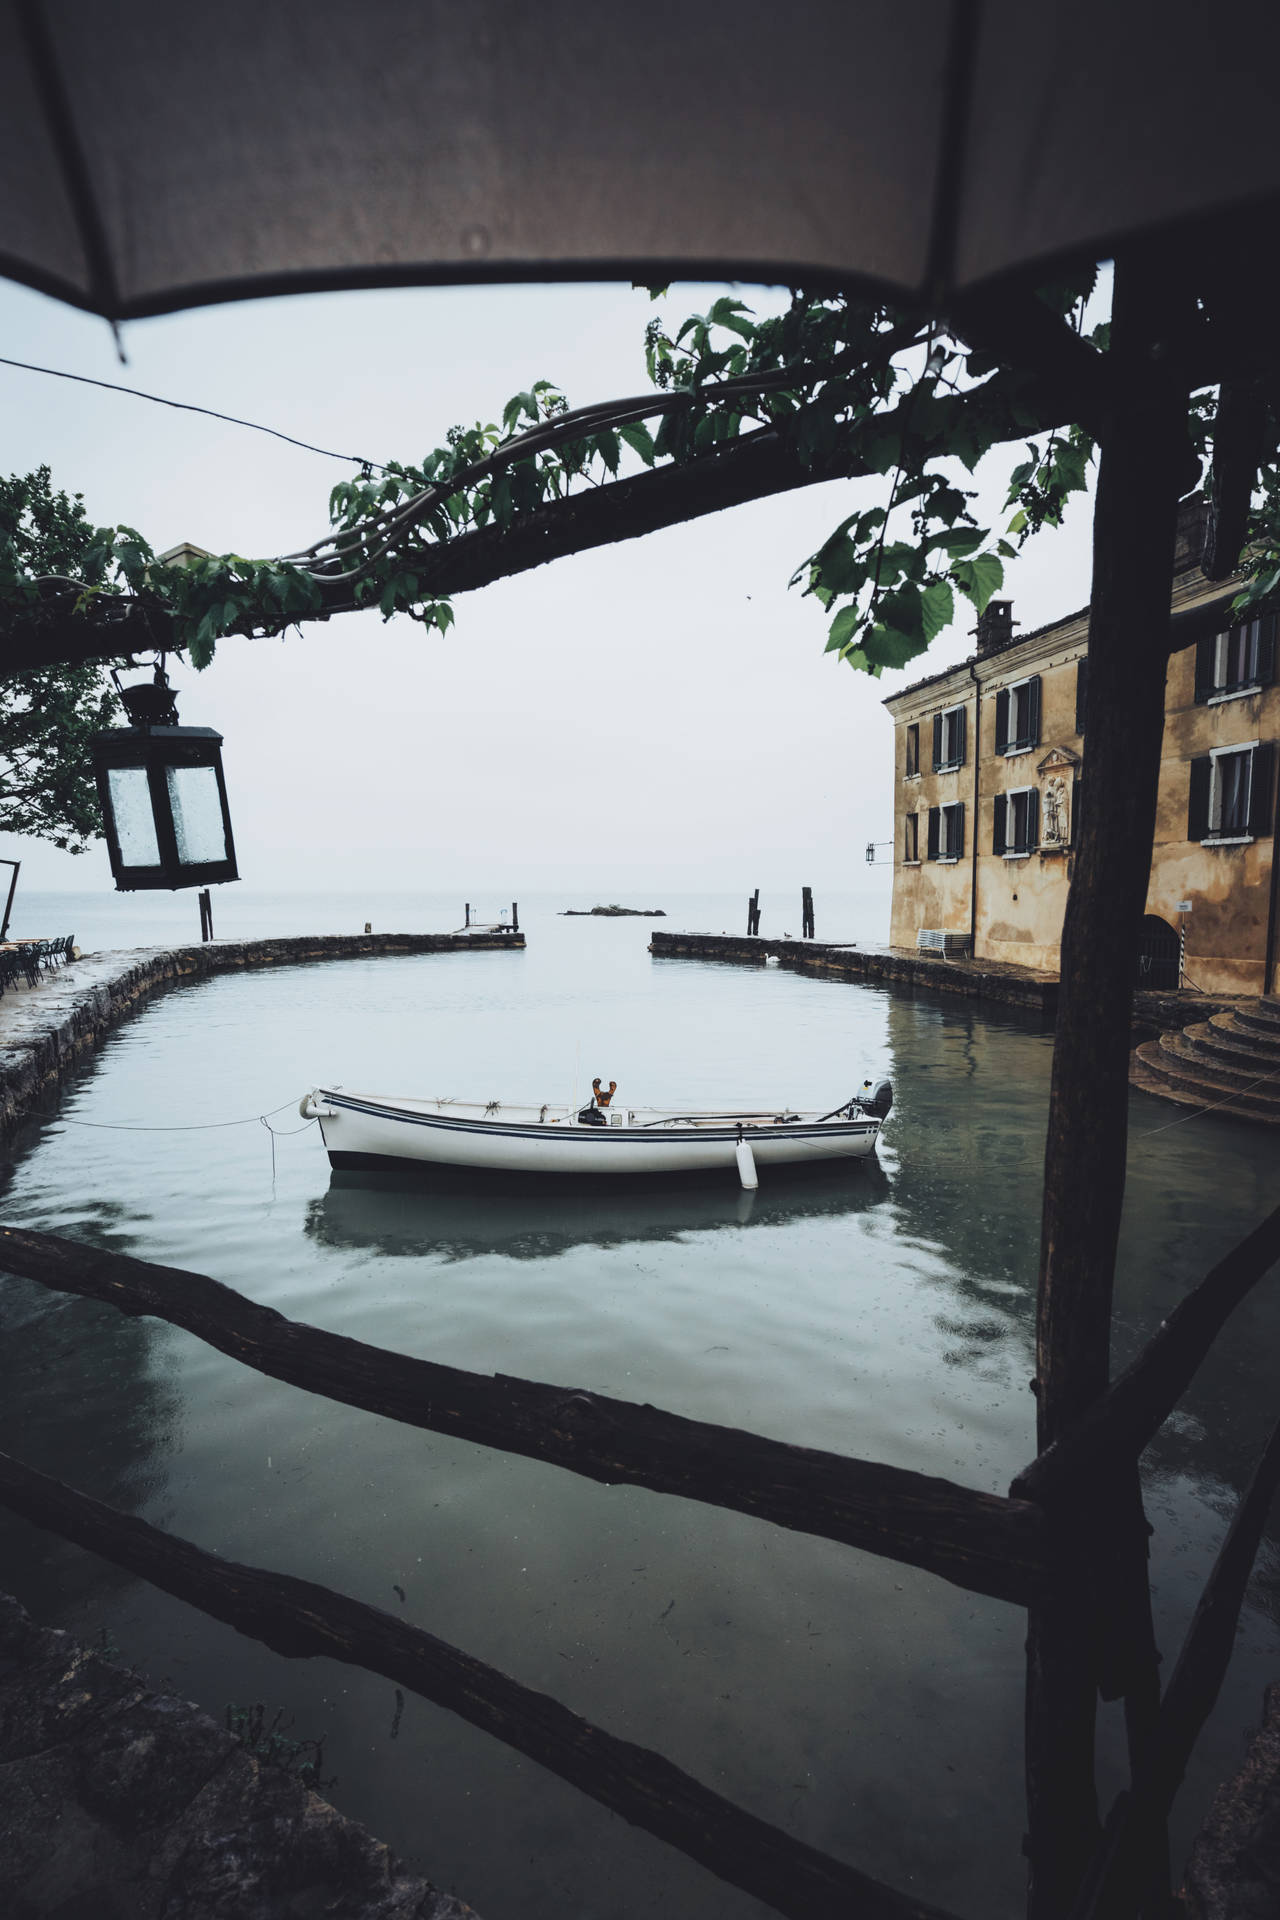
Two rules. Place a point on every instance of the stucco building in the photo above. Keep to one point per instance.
(990, 758)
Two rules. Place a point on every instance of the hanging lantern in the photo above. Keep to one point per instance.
(164, 799)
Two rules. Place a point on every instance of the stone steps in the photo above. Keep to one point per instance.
(1224, 1038)
(1229, 1063)
(1262, 1015)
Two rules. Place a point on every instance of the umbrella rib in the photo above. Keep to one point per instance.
(74, 167)
(953, 142)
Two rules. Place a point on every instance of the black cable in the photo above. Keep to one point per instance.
(187, 406)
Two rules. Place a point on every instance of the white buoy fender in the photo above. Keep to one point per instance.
(747, 1166)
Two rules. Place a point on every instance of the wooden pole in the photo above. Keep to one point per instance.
(1142, 470)
(299, 1619)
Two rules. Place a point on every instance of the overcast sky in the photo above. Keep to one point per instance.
(656, 715)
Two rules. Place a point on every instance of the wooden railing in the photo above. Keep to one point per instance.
(1070, 1534)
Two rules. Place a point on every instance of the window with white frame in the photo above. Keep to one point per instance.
(1229, 786)
(1238, 661)
(1230, 792)
(1016, 824)
(946, 832)
(948, 739)
(1018, 716)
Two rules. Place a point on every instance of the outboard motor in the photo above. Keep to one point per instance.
(876, 1096)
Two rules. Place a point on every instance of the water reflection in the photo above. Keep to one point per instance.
(450, 1217)
(58, 1352)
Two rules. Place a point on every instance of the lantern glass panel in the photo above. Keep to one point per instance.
(134, 821)
(197, 815)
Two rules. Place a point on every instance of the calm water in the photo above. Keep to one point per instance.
(886, 1311)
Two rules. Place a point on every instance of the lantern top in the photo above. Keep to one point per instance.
(151, 703)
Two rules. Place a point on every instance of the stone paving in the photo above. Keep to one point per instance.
(120, 1803)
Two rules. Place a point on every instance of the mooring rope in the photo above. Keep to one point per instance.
(190, 1126)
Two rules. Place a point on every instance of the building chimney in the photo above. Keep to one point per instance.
(995, 627)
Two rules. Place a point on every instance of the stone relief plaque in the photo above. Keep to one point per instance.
(1055, 829)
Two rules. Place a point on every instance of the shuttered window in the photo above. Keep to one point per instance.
(946, 832)
(1016, 826)
(913, 750)
(949, 739)
(1237, 661)
(1231, 793)
(911, 837)
(1018, 716)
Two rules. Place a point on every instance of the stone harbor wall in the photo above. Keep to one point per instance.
(997, 982)
(46, 1030)
(119, 1803)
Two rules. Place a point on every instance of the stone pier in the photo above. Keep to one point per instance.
(46, 1030)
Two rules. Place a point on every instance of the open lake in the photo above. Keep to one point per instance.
(885, 1311)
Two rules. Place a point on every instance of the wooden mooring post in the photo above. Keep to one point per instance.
(806, 913)
(753, 914)
(206, 914)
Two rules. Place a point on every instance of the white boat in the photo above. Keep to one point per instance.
(391, 1133)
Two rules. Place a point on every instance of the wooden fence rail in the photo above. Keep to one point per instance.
(300, 1619)
(979, 1541)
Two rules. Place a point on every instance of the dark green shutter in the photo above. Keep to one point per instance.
(1002, 719)
(1206, 653)
(961, 719)
(1198, 804)
(1082, 690)
(1033, 819)
(1267, 650)
(935, 816)
(1260, 784)
(937, 741)
(1032, 738)
(958, 817)
(999, 817)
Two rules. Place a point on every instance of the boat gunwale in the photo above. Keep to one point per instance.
(485, 1124)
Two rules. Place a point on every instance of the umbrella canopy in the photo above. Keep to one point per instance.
(154, 157)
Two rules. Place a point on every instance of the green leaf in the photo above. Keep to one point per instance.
(842, 628)
(958, 544)
(887, 647)
(640, 440)
(938, 607)
(841, 569)
(978, 578)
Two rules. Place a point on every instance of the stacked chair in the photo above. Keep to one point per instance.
(28, 959)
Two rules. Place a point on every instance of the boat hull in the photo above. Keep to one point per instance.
(373, 1133)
